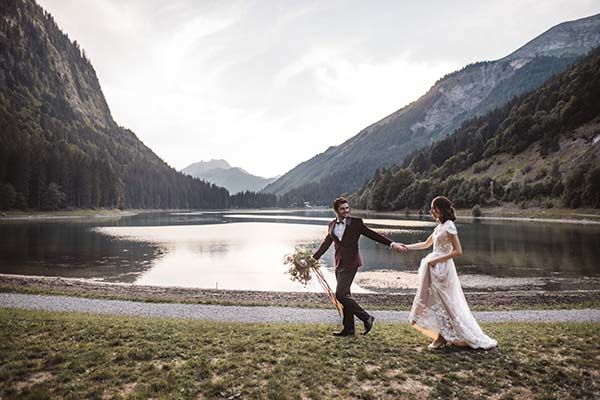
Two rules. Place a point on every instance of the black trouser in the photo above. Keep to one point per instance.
(344, 277)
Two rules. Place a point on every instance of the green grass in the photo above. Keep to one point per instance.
(73, 356)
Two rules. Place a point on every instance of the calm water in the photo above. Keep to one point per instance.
(245, 250)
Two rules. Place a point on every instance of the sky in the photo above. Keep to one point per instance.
(267, 85)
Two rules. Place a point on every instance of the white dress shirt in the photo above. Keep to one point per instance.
(339, 229)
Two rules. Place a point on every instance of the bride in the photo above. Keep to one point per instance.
(440, 309)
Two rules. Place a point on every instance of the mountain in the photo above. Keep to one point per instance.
(197, 169)
(455, 98)
(222, 174)
(541, 148)
(59, 145)
(235, 179)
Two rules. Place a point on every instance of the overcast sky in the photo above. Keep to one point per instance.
(269, 84)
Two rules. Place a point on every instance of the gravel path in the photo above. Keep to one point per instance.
(258, 314)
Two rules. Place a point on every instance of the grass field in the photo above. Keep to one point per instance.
(59, 355)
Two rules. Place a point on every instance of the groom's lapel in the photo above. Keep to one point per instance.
(348, 221)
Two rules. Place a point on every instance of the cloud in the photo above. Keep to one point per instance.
(267, 85)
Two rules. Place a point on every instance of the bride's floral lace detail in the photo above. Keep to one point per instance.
(440, 306)
(441, 237)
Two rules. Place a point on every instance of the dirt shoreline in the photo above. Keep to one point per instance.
(518, 299)
(392, 281)
(556, 215)
(66, 215)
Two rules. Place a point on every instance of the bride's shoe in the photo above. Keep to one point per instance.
(437, 343)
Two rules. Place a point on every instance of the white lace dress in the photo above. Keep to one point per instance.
(440, 305)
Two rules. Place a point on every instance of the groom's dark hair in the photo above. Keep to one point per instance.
(337, 202)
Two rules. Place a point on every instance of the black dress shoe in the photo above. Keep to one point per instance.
(343, 333)
(369, 324)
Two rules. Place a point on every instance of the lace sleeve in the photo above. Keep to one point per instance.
(451, 228)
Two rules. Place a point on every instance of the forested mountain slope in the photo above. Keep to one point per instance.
(59, 145)
(455, 98)
(542, 148)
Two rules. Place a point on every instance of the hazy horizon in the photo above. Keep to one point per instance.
(201, 80)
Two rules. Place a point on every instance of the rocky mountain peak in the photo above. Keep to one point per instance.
(570, 38)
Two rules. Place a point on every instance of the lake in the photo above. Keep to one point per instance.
(245, 249)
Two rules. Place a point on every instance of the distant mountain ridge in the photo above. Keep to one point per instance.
(203, 166)
(221, 173)
(457, 97)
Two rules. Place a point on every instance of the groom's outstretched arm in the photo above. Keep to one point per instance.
(323, 248)
(371, 234)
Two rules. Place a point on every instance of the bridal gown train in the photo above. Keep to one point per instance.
(440, 305)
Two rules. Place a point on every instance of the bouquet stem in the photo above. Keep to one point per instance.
(301, 264)
(339, 307)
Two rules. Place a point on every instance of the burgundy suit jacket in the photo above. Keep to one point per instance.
(346, 250)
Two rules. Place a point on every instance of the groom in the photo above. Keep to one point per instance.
(345, 231)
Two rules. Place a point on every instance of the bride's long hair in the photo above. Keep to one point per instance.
(445, 207)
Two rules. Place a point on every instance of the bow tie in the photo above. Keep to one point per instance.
(339, 222)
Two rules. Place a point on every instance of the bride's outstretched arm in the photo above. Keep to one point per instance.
(421, 245)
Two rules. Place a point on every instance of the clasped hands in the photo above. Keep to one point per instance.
(399, 247)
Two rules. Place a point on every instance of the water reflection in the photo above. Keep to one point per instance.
(244, 249)
(228, 256)
(369, 221)
(69, 249)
